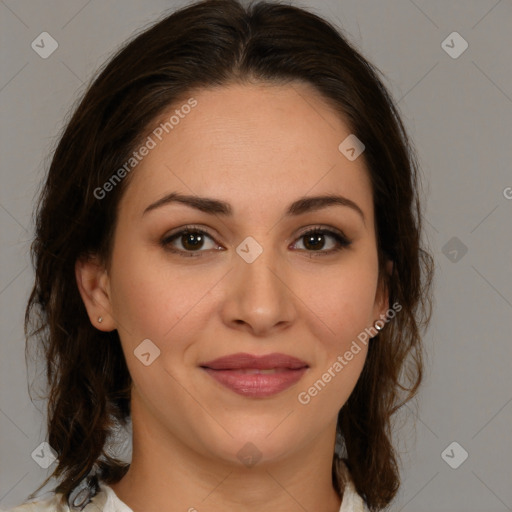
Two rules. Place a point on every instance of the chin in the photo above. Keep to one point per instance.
(248, 448)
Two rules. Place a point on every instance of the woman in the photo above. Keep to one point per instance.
(228, 260)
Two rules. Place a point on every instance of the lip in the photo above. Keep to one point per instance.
(242, 360)
(241, 373)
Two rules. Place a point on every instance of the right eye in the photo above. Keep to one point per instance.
(190, 238)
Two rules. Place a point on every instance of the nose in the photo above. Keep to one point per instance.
(259, 296)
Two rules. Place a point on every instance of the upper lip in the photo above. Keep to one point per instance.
(249, 361)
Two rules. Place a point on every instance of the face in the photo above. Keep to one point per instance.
(254, 281)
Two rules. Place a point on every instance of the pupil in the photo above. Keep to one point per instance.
(192, 236)
(316, 240)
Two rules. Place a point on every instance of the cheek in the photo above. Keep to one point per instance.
(148, 300)
(342, 313)
(145, 304)
(340, 302)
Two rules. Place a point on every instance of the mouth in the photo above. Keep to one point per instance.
(256, 376)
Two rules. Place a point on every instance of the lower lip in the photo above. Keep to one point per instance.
(256, 384)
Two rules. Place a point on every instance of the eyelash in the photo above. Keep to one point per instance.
(342, 240)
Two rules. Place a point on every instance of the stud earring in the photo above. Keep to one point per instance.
(378, 328)
(100, 319)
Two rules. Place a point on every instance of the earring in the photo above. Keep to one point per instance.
(378, 328)
(100, 319)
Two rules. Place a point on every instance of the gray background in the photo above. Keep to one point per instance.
(459, 113)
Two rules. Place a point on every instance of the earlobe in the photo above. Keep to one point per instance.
(94, 287)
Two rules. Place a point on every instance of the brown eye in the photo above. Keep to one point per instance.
(315, 241)
(192, 240)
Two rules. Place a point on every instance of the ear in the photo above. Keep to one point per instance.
(382, 297)
(94, 287)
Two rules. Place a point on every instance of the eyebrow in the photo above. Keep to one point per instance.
(216, 207)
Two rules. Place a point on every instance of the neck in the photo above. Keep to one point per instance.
(167, 475)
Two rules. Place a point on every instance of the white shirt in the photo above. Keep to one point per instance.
(106, 500)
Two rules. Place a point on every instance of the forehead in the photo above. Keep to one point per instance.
(255, 146)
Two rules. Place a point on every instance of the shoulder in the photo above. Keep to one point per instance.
(55, 503)
(106, 501)
(99, 502)
(352, 501)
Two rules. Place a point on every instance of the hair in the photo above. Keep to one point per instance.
(207, 44)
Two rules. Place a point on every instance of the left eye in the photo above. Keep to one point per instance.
(192, 240)
(315, 238)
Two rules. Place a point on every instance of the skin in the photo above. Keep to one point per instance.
(259, 147)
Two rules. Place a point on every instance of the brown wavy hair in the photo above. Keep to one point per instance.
(212, 43)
